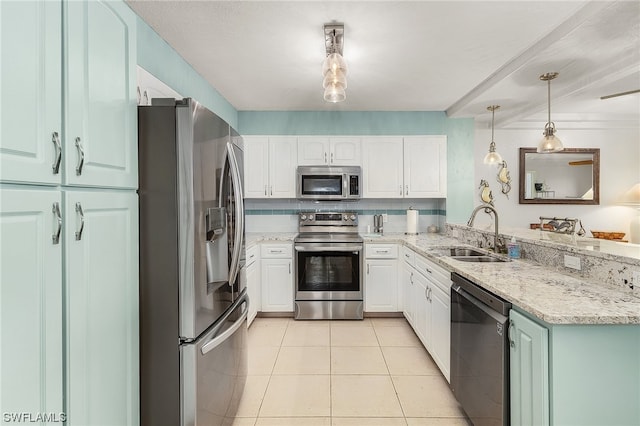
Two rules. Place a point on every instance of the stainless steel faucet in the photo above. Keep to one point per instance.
(497, 244)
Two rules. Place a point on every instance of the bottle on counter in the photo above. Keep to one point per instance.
(513, 249)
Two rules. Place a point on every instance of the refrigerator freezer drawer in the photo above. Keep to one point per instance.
(214, 370)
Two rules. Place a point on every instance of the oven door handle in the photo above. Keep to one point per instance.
(319, 248)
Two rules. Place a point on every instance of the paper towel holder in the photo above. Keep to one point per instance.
(416, 224)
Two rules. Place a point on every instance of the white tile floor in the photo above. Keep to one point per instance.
(373, 372)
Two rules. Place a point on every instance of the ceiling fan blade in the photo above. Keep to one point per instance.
(614, 95)
(580, 163)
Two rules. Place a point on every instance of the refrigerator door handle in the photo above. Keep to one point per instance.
(239, 214)
(215, 342)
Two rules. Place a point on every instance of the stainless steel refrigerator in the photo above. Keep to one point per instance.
(193, 304)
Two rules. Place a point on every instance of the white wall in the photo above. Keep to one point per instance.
(619, 170)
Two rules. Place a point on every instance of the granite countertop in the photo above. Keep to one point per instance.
(551, 296)
(548, 295)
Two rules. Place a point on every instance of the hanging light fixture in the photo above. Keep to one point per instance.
(550, 142)
(492, 156)
(334, 68)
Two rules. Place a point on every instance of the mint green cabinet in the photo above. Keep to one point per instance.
(100, 94)
(574, 374)
(96, 48)
(30, 91)
(31, 364)
(529, 357)
(101, 253)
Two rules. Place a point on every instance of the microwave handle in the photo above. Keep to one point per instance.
(345, 185)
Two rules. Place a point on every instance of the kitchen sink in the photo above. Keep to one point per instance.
(479, 258)
(463, 251)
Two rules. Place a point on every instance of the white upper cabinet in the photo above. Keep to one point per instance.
(100, 95)
(425, 166)
(97, 49)
(382, 167)
(329, 151)
(409, 167)
(31, 91)
(270, 166)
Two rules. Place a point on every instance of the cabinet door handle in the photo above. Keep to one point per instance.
(55, 138)
(367, 269)
(430, 291)
(332, 158)
(271, 189)
(400, 189)
(512, 342)
(325, 158)
(58, 217)
(427, 269)
(411, 278)
(406, 189)
(80, 156)
(265, 190)
(289, 268)
(382, 251)
(81, 213)
(426, 293)
(272, 251)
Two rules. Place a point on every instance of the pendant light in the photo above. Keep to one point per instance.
(492, 156)
(550, 142)
(334, 68)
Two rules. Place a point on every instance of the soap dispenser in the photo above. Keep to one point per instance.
(513, 249)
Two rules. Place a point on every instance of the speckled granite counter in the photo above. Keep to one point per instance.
(550, 296)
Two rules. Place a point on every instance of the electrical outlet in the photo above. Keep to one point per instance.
(572, 262)
(385, 218)
(636, 279)
(455, 233)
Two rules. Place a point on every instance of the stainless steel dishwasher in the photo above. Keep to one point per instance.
(479, 352)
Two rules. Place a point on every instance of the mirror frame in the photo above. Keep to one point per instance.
(596, 177)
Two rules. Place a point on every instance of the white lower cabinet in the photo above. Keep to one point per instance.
(253, 283)
(277, 277)
(381, 278)
(427, 305)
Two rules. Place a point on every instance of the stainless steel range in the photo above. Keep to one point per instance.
(328, 266)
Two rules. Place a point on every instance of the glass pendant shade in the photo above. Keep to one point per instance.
(335, 78)
(334, 62)
(550, 142)
(334, 93)
(492, 156)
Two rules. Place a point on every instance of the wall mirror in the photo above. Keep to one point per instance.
(571, 176)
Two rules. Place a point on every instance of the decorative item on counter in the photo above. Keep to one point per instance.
(378, 221)
(412, 221)
(485, 192)
(432, 229)
(608, 235)
(504, 178)
(559, 225)
(513, 248)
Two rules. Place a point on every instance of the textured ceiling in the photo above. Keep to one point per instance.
(453, 56)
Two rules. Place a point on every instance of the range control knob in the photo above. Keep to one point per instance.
(345, 217)
(310, 217)
(352, 217)
(303, 217)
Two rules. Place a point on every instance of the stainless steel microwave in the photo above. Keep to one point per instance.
(329, 183)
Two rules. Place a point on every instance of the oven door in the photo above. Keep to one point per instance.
(328, 271)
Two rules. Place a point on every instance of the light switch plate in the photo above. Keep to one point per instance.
(636, 278)
(572, 262)
(385, 218)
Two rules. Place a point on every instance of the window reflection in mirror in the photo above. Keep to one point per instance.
(571, 176)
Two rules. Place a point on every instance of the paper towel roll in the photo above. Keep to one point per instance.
(412, 221)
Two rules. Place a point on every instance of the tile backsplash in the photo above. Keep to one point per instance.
(280, 215)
